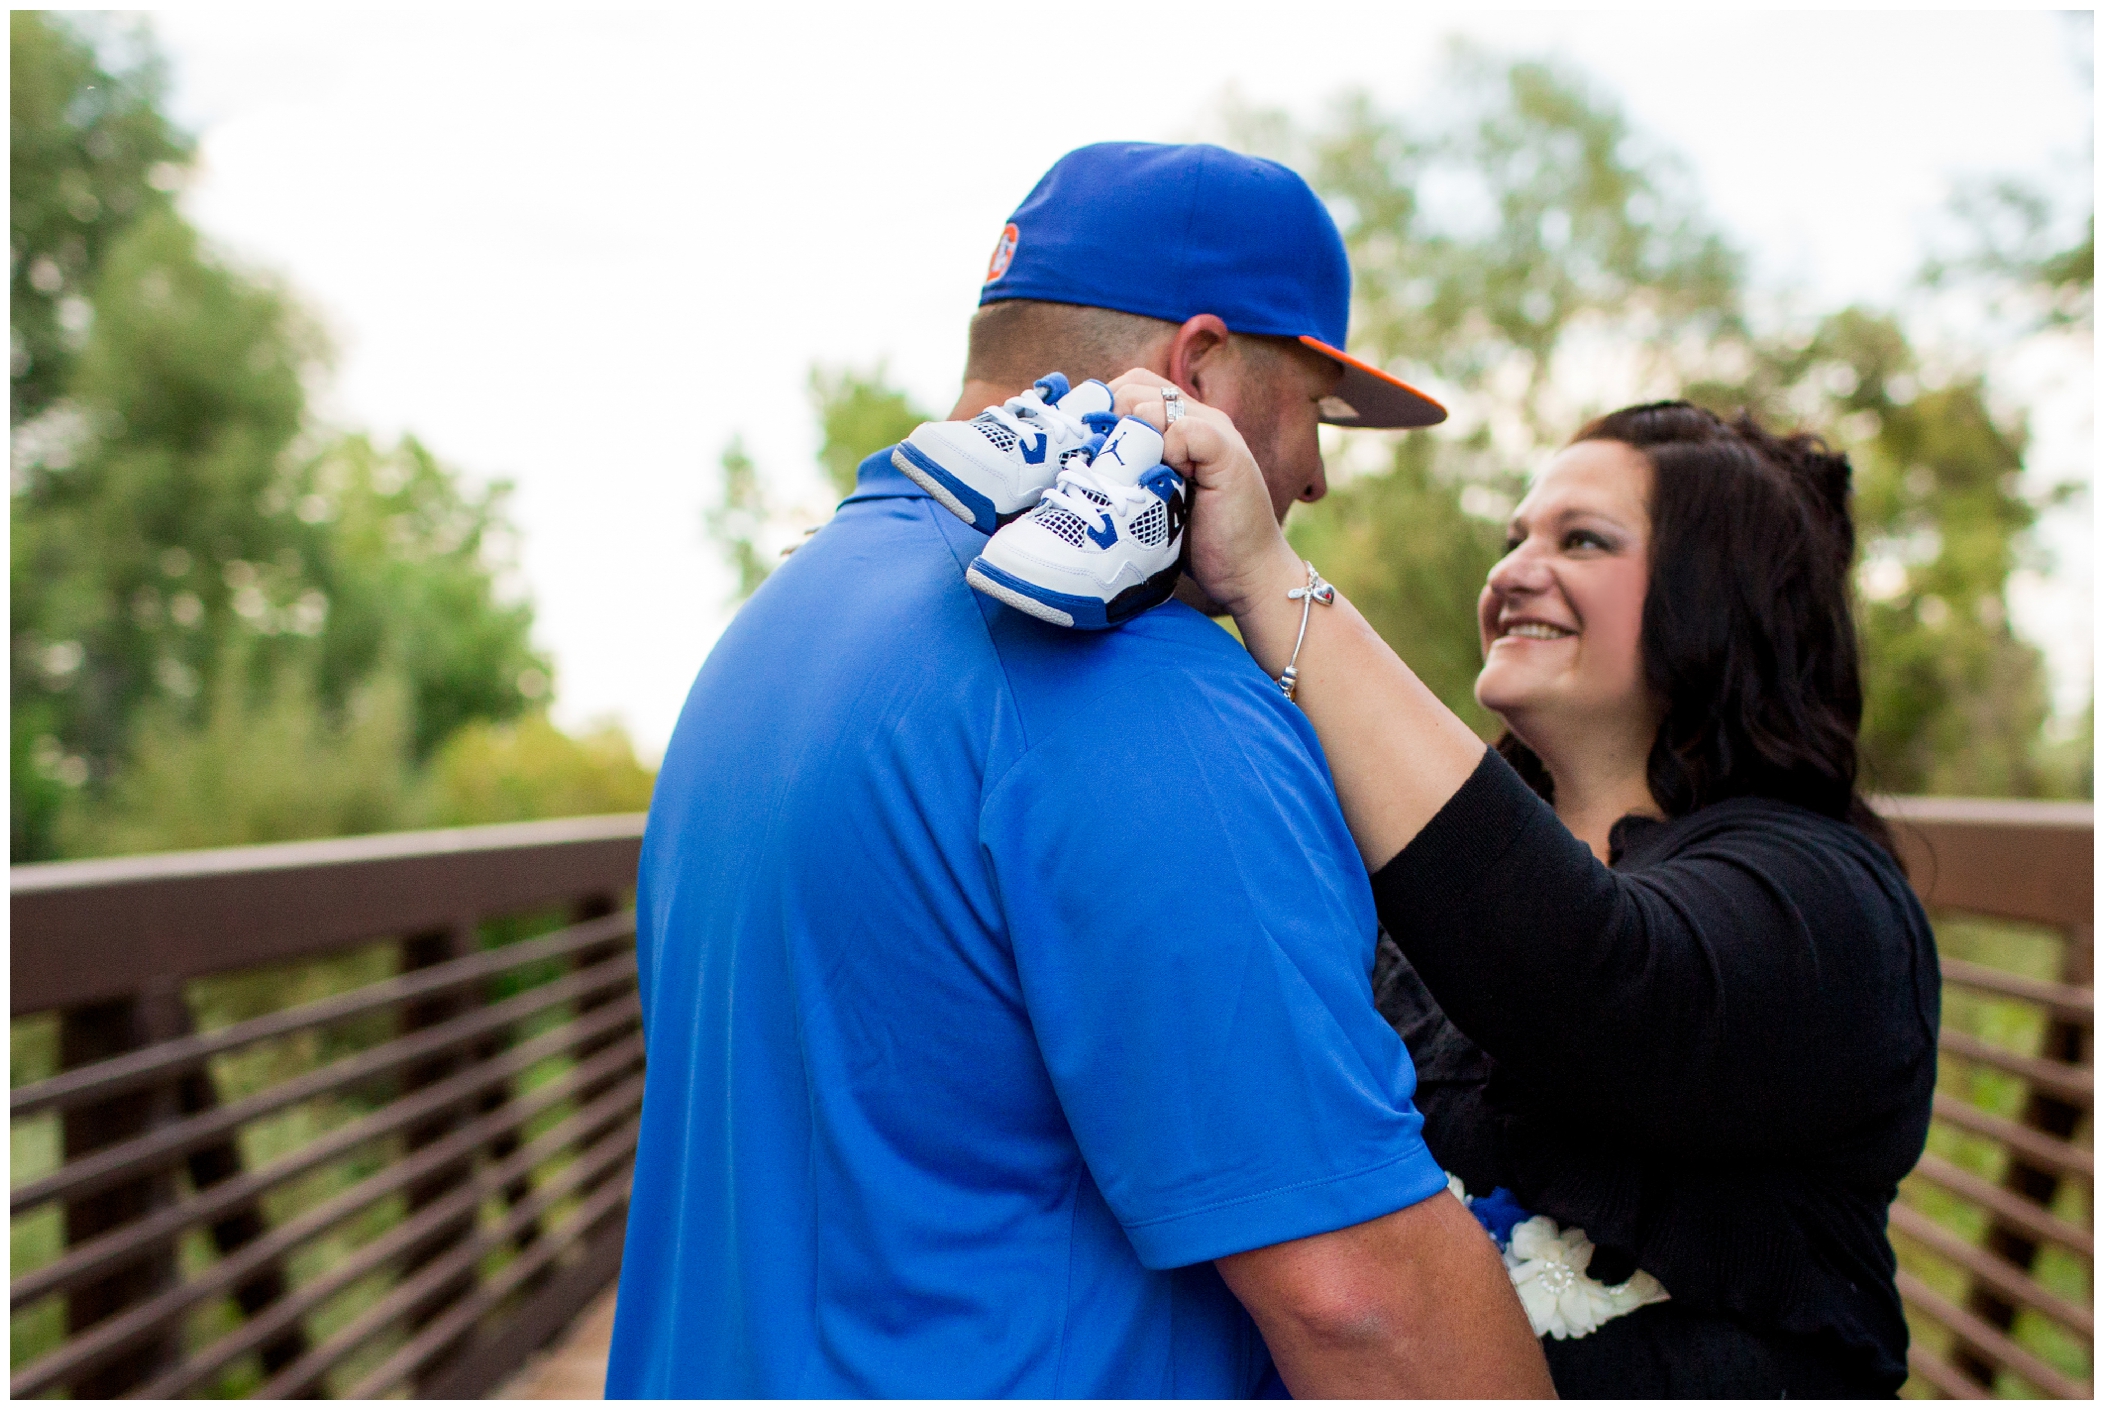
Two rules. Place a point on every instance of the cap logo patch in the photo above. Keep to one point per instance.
(1004, 253)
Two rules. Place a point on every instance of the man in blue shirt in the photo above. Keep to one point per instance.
(1006, 987)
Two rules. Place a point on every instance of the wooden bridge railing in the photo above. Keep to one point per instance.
(409, 1181)
(406, 1184)
(1972, 1245)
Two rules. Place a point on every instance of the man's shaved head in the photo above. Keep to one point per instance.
(1016, 341)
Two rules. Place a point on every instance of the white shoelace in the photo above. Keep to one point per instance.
(1030, 406)
(1084, 494)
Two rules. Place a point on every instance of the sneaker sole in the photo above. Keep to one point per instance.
(1061, 609)
(1019, 600)
(949, 491)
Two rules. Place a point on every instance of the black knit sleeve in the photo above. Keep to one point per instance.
(1748, 992)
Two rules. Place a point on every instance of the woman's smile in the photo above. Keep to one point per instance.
(1532, 629)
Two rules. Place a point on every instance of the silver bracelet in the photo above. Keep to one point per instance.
(1316, 591)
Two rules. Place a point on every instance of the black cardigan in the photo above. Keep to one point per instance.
(1716, 1058)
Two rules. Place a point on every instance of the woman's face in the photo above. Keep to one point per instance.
(1562, 613)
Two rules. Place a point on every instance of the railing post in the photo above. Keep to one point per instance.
(2065, 1041)
(153, 1148)
(420, 952)
(242, 1225)
(92, 1034)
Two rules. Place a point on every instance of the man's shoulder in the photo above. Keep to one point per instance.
(1172, 651)
(1169, 683)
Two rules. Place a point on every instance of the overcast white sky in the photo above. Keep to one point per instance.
(581, 251)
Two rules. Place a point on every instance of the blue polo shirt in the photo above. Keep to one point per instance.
(996, 978)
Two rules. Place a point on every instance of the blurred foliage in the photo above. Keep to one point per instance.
(527, 768)
(90, 154)
(1524, 246)
(261, 767)
(858, 413)
(1955, 702)
(735, 520)
(1527, 223)
(1401, 548)
(195, 562)
(2017, 246)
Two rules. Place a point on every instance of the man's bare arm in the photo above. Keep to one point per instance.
(1413, 1305)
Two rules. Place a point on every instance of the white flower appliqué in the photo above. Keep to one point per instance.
(1548, 1271)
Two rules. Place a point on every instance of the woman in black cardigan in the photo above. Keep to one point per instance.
(1663, 978)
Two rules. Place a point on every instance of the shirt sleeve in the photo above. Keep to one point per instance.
(1736, 996)
(1193, 933)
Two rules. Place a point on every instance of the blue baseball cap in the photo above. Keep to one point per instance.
(1171, 232)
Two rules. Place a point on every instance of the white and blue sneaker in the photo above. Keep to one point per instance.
(1104, 544)
(993, 467)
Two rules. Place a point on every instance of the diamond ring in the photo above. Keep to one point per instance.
(1172, 399)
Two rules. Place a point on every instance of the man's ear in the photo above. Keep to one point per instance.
(1199, 358)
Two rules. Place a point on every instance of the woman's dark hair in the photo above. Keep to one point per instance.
(1748, 635)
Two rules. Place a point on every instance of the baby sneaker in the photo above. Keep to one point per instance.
(993, 467)
(1104, 544)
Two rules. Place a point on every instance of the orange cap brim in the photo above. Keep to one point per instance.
(1374, 399)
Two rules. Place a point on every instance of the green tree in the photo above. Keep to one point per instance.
(399, 568)
(176, 514)
(527, 768)
(134, 516)
(1560, 239)
(735, 521)
(1526, 247)
(1954, 701)
(1401, 548)
(90, 154)
(859, 412)
(260, 767)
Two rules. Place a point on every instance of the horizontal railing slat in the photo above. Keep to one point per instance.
(92, 1259)
(2061, 1000)
(461, 1318)
(94, 931)
(2010, 1207)
(1954, 1384)
(2040, 1149)
(183, 1055)
(2013, 859)
(85, 932)
(1989, 1340)
(2010, 1282)
(120, 1163)
(388, 1248)
(112, 1338)
(408, 1297)
(2058, 1079)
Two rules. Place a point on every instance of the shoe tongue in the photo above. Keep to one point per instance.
(1052, 386)
(1089, 399)
(1131, 450)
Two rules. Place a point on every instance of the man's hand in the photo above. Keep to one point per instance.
(1238, 551)
(1413, 1305)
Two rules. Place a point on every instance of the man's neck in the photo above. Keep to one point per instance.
(977, 396)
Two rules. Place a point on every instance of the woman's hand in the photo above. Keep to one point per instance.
(1239, 556)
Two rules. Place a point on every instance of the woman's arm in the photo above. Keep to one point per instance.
(1397, 754)
(1759, 989)
(1712, 1009)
